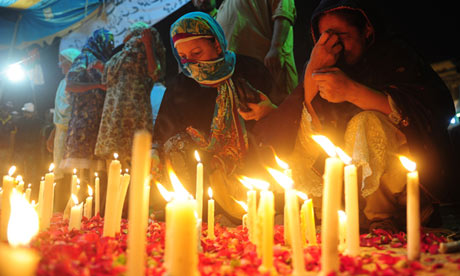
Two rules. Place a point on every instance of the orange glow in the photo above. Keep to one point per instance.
(11, 170)
(343, 156)
(285, 181)
(325, 143)
(407, 163)
(197, 157)
(167, 195)
(302, 195)
(51, 168)
(242, 204)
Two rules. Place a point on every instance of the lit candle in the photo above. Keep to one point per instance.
(183, 254)
(1, 195)
(98, 194)
(292, 212)
(351, 205)
(40, 196)
(199, 185)
(136, 229)
(168, 196)
(244, 219)
(89, 203)
(307, 220)
(333, 178)
(8, 184)
(412, 209)
(121, 199)
(252, 208)
(17, 259)
(47, 208)
(287, 231)
(267, 214)
(210, 215)
(20, 185)
(28, 192)
(342, 230)
(75, 214)
(113, 186)
(73, 184)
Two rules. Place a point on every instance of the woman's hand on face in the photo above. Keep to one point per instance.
(333, 85)
(258, 110)
(326, 51)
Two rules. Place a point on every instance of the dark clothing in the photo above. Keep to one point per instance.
(423, 101)
(6, 127)
(187, 103)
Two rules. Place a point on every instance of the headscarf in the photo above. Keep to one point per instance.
(97, 49)
(228, 138)
(70, 54)
(136, 45)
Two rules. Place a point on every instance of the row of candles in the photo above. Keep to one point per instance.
(184, 213)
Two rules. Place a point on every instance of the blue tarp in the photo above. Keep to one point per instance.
(41, 20)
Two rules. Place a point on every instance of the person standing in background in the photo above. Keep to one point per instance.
(262, 29)
(7, 132)
(61, 118)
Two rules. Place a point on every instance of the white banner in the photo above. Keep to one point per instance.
(120, 15)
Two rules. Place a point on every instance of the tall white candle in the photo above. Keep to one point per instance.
(267, 220)
(199, 186)
(97, 191)
(333, 178)
(412, 209)
(342, 230)
(40, 196)
(113, 186)
(89, 203)
(8, 184)
(211, 234)
(307, 220)
(168, 196)
(121, 199)
(252, 208)
(287, 231)
(136, 229)
(47, 208)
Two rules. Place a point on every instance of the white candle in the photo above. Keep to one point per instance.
(252, 208)
(307, 220)
(136, 229)
(40, 196)
(8, 184)
(342, 230)
(75, 214)
(351, 205)
(28, 192)
(287, 231)
(47, 208)
(211, 234)
(267, 221)
(73, 184)
(199, 186)
(89, 203)
(20, 185)
(168, 196)
(412, 209)
(333, 178)
(113, 186)
(97, 188)
(121, 199)
(183, 219)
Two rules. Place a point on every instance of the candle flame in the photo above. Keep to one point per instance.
(343, 156)
(302, 195)
(95, 174)
(242, 204)
(407, 163)
(126, 170)
(342, 216)
(75, 199)
(281, 163)
(11, 170)
(197, 157)
(179, 190)
(252, 183)
(30, 185)
(78, 181)
(167, 195)
(19, 178)
(90, 191)
(1, 189)
(51, 168)
(23, 223)
(210, 192)
(115, 156)
(74, 171)
(285, 181)
(43, 178)
(325, 143)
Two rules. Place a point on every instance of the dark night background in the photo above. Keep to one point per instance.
(432, 27)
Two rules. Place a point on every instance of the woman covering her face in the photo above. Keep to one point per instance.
(205, 107)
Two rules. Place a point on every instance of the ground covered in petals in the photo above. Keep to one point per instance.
(86, 252)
